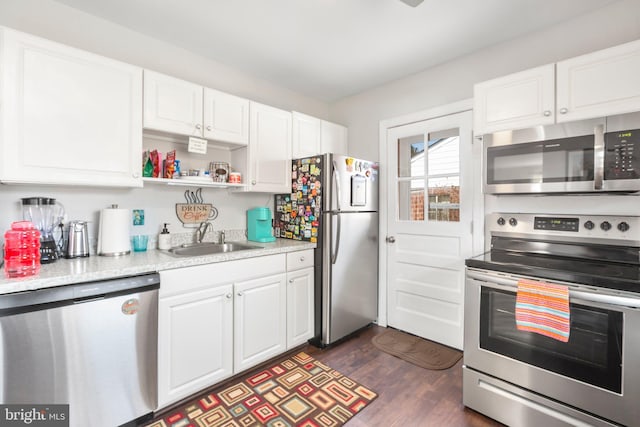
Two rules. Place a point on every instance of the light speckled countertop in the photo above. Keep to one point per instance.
(79, 270)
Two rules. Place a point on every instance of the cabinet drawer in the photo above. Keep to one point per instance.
(187, 279)
(299, 259)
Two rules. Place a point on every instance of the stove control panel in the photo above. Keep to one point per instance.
(556, 223)
(616, 230)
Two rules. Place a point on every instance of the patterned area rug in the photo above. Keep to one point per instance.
(424, 353)
(299, 391)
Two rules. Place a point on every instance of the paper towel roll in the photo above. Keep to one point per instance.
(113, 236)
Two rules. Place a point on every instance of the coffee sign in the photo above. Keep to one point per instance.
(195, 211)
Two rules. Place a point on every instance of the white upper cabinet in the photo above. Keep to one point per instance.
(515, 101)
(69, 117)
(180, 107)
(172, 105)
(266, 164)
(226, 117)
(599, 84)
(313, 136)
(602, 83)
(306, 135)
(333, 138)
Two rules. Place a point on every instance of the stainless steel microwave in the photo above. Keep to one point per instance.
(587, 156)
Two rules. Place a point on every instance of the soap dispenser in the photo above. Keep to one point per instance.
(164, 239)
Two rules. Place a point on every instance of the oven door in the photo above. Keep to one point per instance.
(597, 371)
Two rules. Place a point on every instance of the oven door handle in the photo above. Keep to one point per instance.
(511, 285)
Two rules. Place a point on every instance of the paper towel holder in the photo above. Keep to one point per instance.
(113, 232)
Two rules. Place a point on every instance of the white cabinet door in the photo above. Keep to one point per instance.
(598, 84)
(172, 105)
(259, 320)
(195, 342)
(306, 135)
(226, 117)
(300, 309)
(333, 138)
(516, 101)
(69, 116)
(269, 149)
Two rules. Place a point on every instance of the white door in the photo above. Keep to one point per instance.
(430, 194)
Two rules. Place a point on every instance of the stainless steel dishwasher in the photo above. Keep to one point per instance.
(92, 346)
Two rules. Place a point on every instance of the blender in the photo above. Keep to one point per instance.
(45, 214)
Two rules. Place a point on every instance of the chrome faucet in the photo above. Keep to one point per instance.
(221, 237)
(202, 231)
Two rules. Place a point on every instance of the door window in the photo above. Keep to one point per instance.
(434, 159)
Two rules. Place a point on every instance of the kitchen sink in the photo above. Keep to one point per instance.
(198, 249)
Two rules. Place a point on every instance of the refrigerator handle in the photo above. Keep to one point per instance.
(336, 178)
(336, 249)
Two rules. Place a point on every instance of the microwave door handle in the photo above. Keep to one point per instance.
(598, 157)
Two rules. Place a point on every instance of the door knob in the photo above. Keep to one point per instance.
(391, 239)
(229, 296)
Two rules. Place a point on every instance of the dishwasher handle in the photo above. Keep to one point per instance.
(81, 292)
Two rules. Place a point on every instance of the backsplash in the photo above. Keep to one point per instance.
(158, 203)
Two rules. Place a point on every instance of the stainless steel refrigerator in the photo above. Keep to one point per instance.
(334, 202)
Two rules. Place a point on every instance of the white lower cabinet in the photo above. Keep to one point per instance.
(300, 298)
(260, 320)
(216, 320)
(196, 336)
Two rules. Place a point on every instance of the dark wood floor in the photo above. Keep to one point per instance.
(407, 395)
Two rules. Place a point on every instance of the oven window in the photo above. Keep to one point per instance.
(565, 160)
(592, 355)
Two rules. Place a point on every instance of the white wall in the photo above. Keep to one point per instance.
(60, 23)
(453, 81)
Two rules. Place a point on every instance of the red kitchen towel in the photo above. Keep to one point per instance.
(543, 308)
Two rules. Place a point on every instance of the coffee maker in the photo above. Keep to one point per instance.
(259, 227)
(45, 214)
